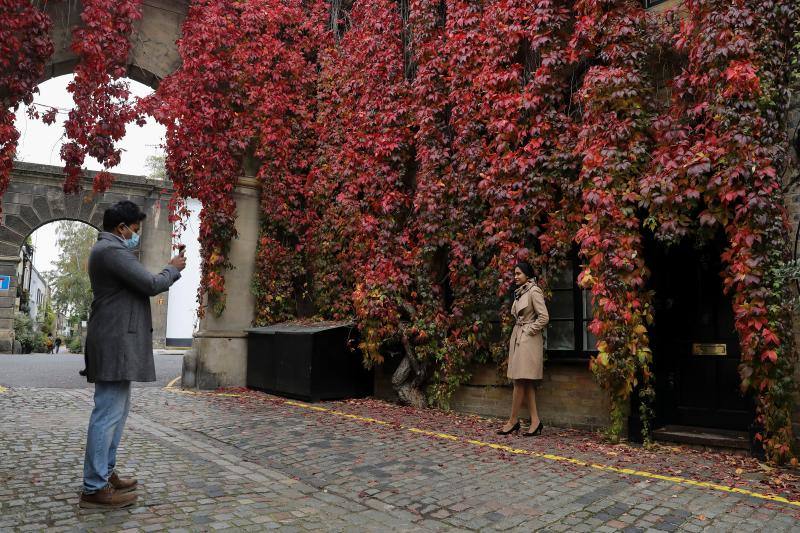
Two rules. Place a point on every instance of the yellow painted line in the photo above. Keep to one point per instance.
(305, 405)
(362, 418)
(571, 460)
(3, 389)
(433, 434)
(518, 451)
(171, 387)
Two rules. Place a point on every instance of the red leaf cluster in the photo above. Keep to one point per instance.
(25, 47)
(613, 142)
(358, 240)
(719, 145)
(101, 110)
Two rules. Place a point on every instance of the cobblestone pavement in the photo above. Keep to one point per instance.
(250, 462)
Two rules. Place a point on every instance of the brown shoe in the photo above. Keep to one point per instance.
(106, 498)
(122, 485)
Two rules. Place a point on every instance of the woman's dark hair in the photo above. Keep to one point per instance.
(526, 269)
(124, 212)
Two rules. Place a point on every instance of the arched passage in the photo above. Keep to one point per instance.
(219, 346)
(53, 293)
(35, 197)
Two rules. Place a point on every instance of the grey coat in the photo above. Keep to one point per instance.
(119, 338)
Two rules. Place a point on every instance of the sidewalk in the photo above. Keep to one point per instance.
(170, 351)
(246, 461)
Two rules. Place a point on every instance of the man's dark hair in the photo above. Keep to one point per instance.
(124, 212)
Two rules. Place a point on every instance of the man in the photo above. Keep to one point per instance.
(58, 344)
(119, 347)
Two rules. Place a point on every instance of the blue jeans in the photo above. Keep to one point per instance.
(112, 401)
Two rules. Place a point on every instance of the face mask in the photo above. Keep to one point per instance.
(133, 242)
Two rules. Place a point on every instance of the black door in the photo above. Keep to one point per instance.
(695, 346)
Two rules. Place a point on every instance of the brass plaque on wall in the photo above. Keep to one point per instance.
(709, 349)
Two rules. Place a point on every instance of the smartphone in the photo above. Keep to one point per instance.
(181, 249)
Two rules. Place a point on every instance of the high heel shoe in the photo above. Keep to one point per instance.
(536, 432)
(513, 429)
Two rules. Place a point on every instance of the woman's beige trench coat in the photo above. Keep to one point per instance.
(526, 348)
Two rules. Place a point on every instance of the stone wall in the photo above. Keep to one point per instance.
(219, 350)
(567, 397)
(154, 54)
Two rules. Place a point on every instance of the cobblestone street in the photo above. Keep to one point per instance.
(251, 462)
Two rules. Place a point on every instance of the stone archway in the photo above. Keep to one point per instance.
(154, 54)
(219, 354)
(35, 197)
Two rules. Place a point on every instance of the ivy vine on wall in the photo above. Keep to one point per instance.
(25, 47)
(719, 147)
(101, 111)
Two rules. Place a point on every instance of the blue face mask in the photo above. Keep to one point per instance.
(133, 242)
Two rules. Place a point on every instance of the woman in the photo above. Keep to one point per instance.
(526, 348)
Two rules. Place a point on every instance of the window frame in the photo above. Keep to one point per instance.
(579, 353)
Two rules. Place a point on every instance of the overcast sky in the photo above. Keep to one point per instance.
(40, 143)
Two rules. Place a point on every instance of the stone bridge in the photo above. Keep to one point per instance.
(35, 197)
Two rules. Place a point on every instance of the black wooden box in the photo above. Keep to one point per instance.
(307, 362)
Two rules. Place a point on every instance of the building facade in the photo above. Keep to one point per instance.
(38, 294)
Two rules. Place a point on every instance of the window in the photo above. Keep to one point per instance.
(561, 330)
(650, 3)
(570, 307)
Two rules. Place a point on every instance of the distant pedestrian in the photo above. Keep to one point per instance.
(119, 347)
(58, 343)
(48, 343)
(526, 348)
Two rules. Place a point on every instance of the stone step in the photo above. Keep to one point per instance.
(718, 438)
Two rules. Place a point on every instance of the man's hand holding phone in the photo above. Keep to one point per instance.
(179, 261)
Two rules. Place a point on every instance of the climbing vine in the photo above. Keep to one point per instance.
(243, 102)
(203, 107)
(284, 37)
(530, 182)
(360, 193)
(613, 144)
(101, 109)
(531, 137)
(454, 290)
(721, 145)
(25, 47)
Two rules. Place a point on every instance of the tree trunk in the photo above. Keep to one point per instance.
(410, 376)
